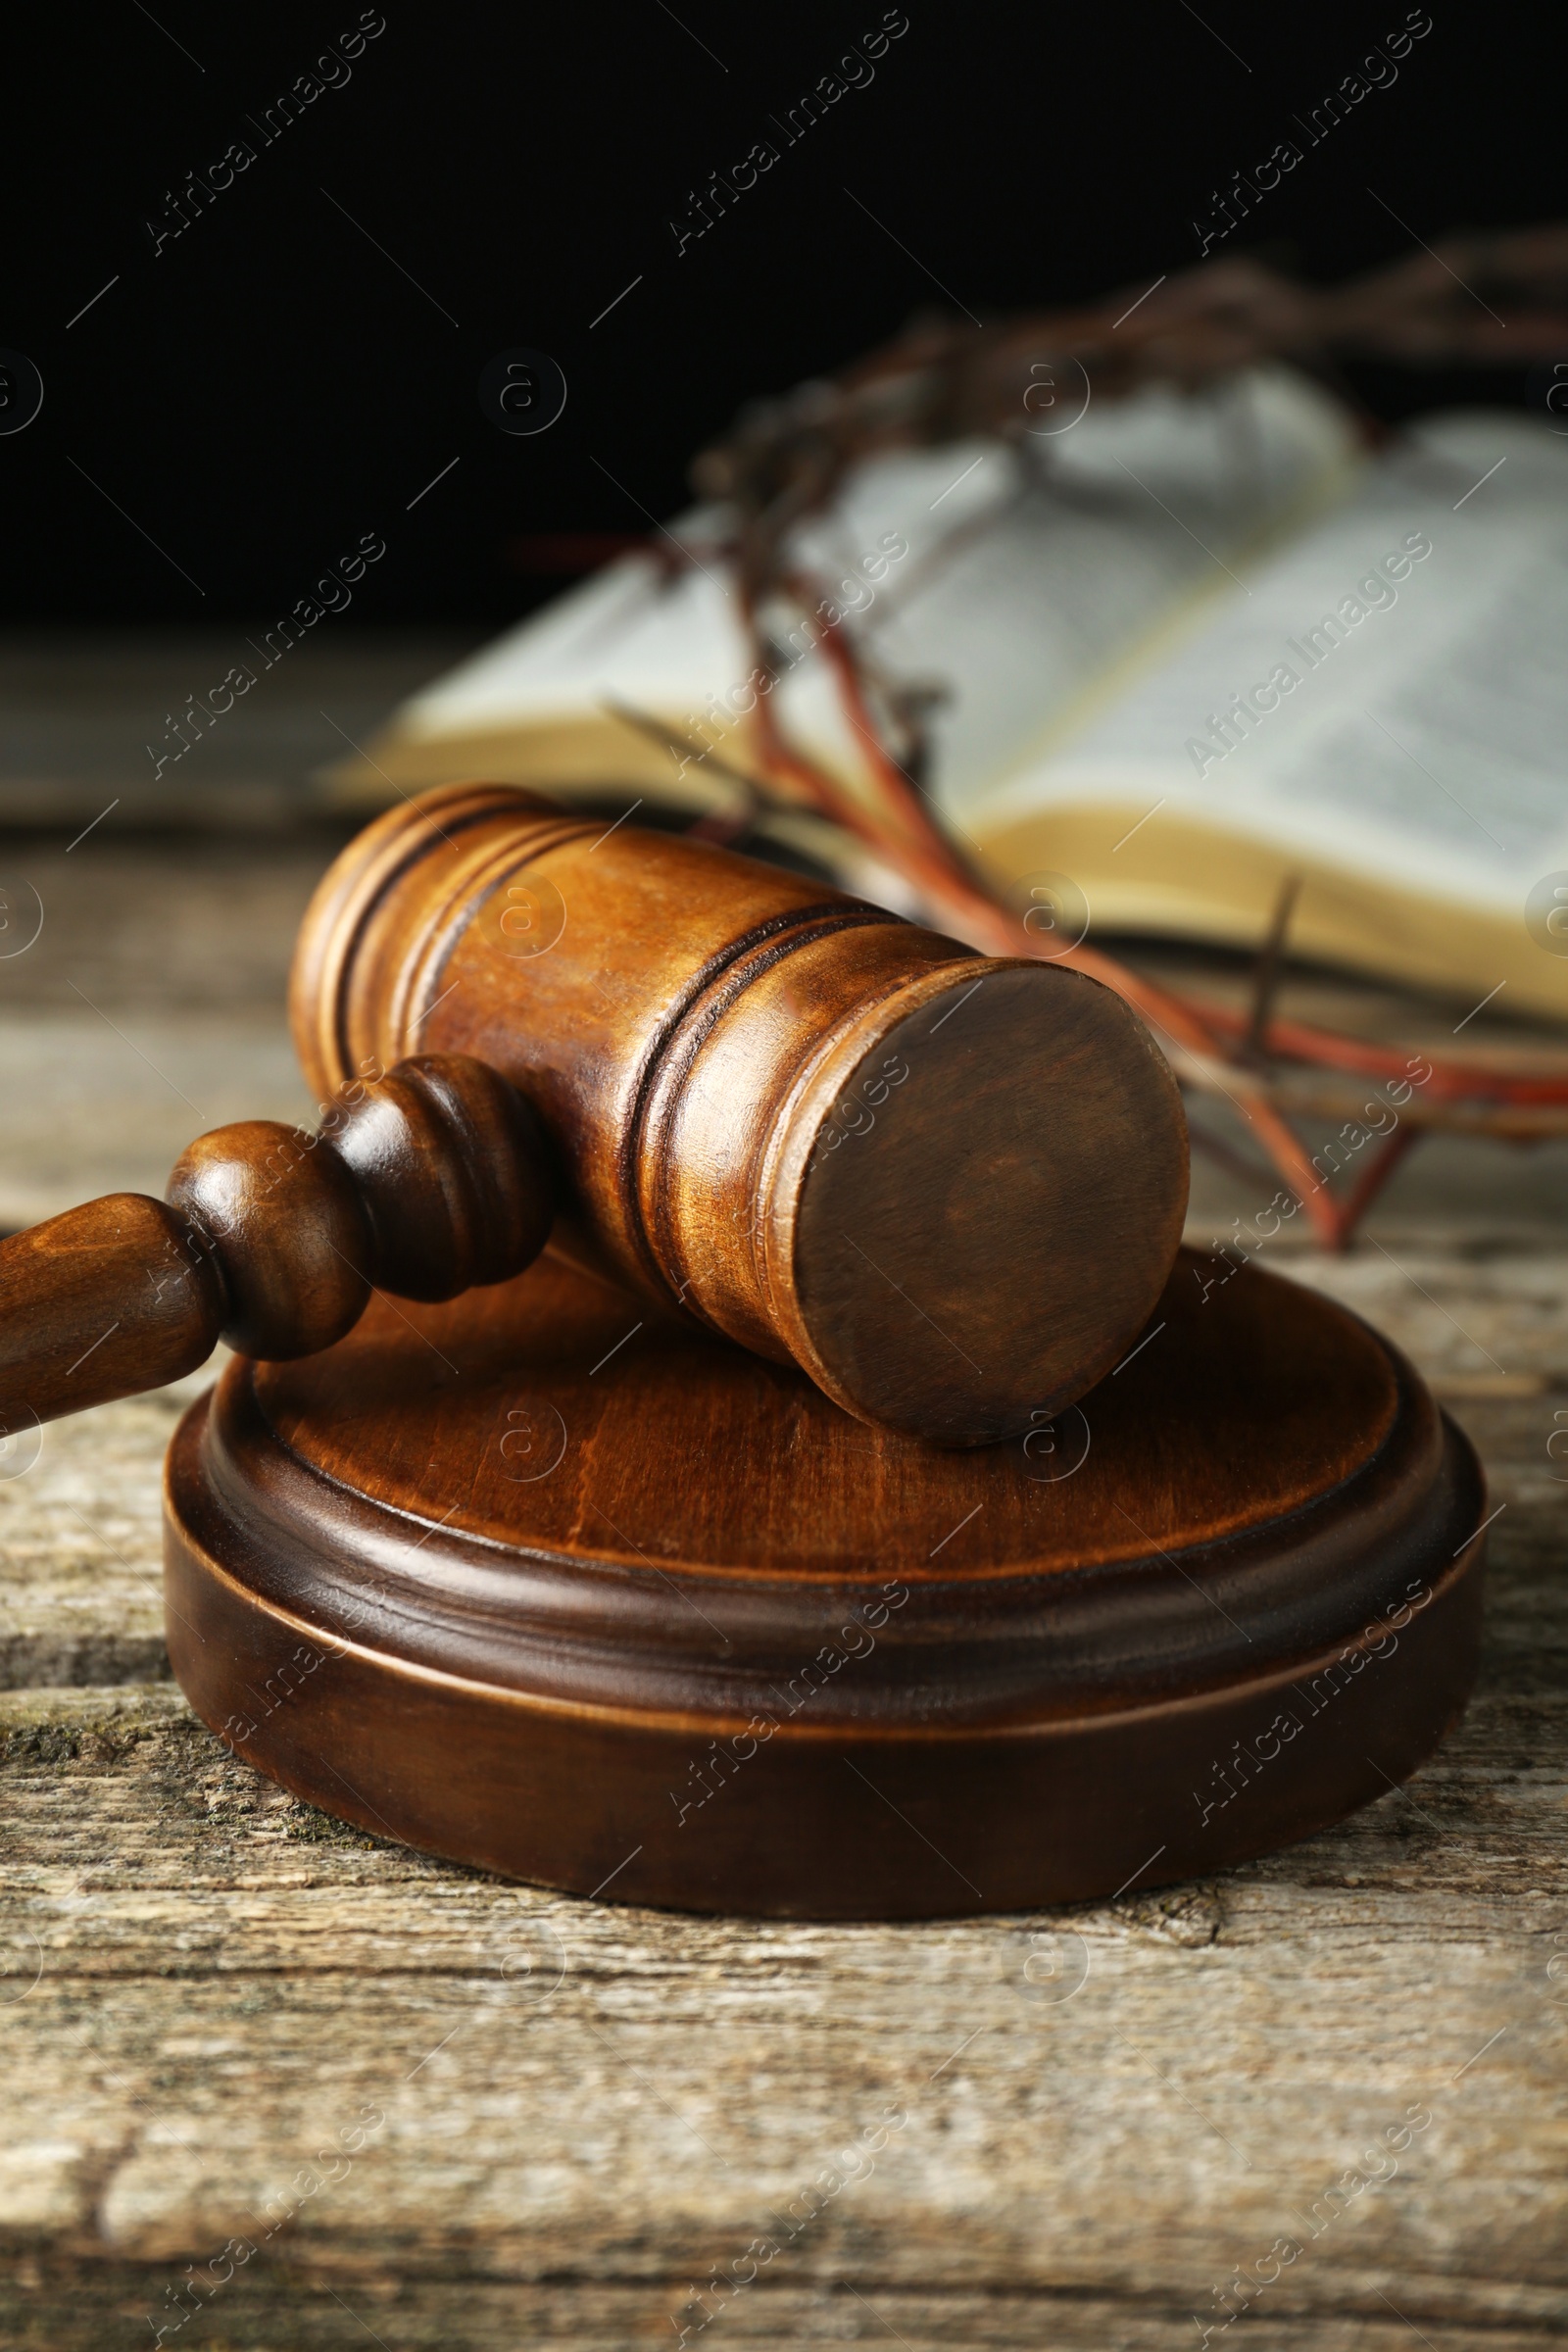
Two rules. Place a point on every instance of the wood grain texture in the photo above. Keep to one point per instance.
(228, 1981)
(230, 1977)
(949, 1186)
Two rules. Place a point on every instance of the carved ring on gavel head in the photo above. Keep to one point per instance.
(951, 1188)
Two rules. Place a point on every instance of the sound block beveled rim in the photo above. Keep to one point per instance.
(835, 1714)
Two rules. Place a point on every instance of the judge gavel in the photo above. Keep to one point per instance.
(949, 1187)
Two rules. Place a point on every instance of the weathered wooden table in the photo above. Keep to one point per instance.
(269, 2082)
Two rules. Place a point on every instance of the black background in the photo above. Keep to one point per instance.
(271, 385)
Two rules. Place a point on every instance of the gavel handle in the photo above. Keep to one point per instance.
(423, 1182)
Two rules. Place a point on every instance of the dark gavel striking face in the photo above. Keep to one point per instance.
(951, 1188)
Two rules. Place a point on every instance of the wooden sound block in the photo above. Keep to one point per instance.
(608, 1605)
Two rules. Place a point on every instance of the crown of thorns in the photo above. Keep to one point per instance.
(1477, 300)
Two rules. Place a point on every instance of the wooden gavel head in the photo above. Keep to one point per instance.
(949, 1186)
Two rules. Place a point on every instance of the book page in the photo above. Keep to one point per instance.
(1019, 575)
(1390, 693)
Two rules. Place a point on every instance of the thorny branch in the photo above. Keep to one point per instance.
(942, 380)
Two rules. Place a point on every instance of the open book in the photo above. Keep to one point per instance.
(1177, 653)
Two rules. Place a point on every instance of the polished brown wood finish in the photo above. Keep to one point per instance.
(949, 1187)
(283, 1220)
(560, 1588)
(544, 1572)
(423, 1182)
(108, 1299)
